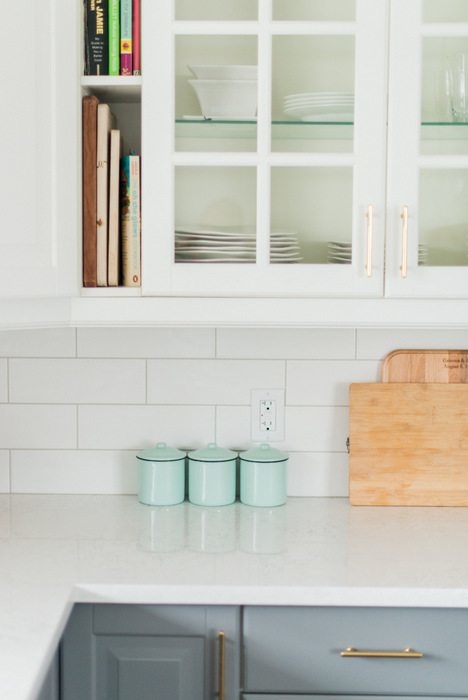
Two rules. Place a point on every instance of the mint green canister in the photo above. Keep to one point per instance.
(212, 476)
(161, 475)
(263, 476)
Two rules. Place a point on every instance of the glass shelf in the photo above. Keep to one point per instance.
(201, 127)
(456, 125)
(229, 128)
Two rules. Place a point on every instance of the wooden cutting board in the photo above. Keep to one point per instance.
(447, 366)
(408, 444)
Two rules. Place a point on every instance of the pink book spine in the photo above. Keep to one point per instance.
(136, 33)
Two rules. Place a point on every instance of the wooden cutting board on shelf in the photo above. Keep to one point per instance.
(445, 366)
(408, 444)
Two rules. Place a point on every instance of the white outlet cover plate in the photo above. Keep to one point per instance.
(258, 395)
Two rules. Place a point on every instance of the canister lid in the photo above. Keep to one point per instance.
(212, 453)
(264, 453)
(161, 453)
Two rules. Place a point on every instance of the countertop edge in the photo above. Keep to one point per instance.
(271, 595)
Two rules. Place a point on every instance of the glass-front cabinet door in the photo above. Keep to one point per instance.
(264, 136)
(427, 242)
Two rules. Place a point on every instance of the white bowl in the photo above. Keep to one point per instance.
(226, 72)
(226, 98)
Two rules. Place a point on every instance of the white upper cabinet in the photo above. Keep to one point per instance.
(282, 199)
(39, 202)
(338, 196)
(427, 236)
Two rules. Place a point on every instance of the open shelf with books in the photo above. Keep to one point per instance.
(111, 144)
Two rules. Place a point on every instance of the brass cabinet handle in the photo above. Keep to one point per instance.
(370, 234)
(221, 655)
(404, 242)
(407, 653)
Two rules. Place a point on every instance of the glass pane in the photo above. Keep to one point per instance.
(215, 135)
(342, 10)
(443, 217)
(441, 77)
(215, 214)
(216, 81)
(313, 84)
(445, 11)
(444, 96)
(315, 206)
(216, 9)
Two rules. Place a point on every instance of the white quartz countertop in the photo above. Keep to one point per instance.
(57, 550)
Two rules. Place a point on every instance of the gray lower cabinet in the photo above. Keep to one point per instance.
(332, 651)
(143, 652)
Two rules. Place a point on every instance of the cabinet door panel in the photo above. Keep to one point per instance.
(259, 205)
(131, 667)
(37, 234)
(427, 247)
(123, 652)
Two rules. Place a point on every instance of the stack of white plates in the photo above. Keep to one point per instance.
(213, 245)
(339, 252)
(320, 106)
(423, 254)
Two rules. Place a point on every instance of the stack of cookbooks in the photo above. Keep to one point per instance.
(111, 37)
(111, 202)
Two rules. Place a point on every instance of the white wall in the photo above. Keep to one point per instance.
(76, 405)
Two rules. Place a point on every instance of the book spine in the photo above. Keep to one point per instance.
(89, 178)
(96, 47)
(114, 209)
(126, 61)
(130, 221)
(114, 37)
(86, 61)
(104, 125)
(136, 34)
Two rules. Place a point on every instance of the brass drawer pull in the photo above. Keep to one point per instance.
(369, 653)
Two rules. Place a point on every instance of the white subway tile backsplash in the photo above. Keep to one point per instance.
(376, 344)
(4, 471)
(3, 381)
(77, 381)
(37, 426)
(146, 342)
(318, 474)
(76, 406)
(326, 383)
(211, 381)
(296, 343)
(233, 427)
(43, 342)
(73, 471)
(316, 429)
(140, 427)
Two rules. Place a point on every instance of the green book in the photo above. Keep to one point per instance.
(114, 37)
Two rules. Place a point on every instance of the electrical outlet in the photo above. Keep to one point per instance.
(267, 415)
